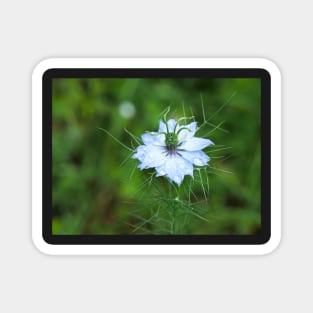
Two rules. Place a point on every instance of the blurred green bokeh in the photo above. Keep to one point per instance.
(92, 189)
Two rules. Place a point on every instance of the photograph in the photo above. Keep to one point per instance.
(156, 156)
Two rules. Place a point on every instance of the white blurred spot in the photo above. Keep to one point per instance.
(127, 109)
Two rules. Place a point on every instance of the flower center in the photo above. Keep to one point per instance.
(171, 142)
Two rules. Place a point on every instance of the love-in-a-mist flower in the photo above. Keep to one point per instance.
(173, 150)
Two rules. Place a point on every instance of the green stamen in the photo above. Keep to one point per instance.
(171, 141)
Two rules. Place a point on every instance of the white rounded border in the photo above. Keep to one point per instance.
(156, 63)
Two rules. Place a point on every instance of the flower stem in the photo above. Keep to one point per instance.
(174, 196)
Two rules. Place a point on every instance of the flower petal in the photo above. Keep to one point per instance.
(140, 153)
(153, 156)
(195, 144)
(198, 158)
(187, 131)
(153, 138)
(175, 168)
(171, 125)
(162, 127)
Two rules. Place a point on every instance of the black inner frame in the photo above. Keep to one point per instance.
(261, 238)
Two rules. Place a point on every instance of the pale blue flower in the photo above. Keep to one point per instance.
(173, 150)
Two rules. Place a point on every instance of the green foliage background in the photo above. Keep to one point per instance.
(92, 189)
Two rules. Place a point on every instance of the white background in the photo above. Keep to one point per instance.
(34, 30)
